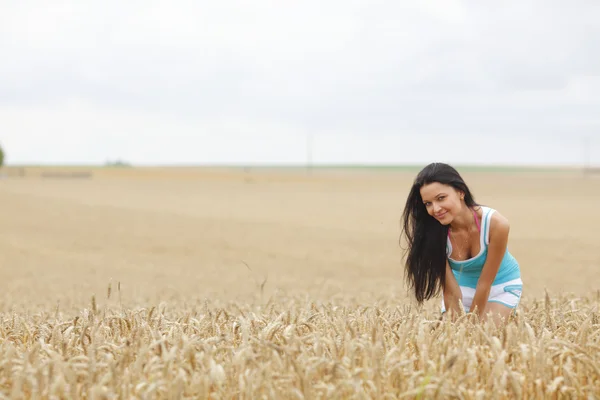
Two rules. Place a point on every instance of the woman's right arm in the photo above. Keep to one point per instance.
(452, 293)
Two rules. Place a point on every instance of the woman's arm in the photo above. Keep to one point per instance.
(499, 229)
(452, 293)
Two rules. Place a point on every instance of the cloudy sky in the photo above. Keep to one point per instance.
(191, 82)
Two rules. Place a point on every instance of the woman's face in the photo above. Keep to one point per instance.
(442, 202)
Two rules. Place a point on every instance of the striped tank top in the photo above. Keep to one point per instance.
(467, 272)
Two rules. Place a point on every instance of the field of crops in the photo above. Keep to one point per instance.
(214, 283)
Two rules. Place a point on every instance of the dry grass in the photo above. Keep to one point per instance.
(221, 285)
(296, 348)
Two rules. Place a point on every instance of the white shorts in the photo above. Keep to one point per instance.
(508, 294)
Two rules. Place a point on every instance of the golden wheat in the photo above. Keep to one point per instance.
(104, 282)
(289, 348)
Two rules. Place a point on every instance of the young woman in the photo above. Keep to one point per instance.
(458, 247)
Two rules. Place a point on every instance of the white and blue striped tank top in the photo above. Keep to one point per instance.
(467, 272)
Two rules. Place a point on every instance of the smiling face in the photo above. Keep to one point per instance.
(442, 202)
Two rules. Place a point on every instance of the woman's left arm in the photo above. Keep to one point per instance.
(499, 229)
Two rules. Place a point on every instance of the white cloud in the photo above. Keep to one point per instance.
(135, 72)
(83, 134)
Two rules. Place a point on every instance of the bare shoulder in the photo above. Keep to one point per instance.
(499, 225)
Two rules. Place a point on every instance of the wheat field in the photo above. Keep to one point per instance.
(196, 283)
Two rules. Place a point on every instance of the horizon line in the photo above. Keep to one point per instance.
(411, 166)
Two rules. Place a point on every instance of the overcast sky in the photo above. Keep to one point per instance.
(180, 82)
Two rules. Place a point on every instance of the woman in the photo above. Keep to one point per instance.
(458, 247)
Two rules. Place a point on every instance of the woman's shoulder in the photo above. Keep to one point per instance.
(499, 225)
(492, 214)
(495, 216)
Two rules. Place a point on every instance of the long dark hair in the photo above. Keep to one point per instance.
(425, 265)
